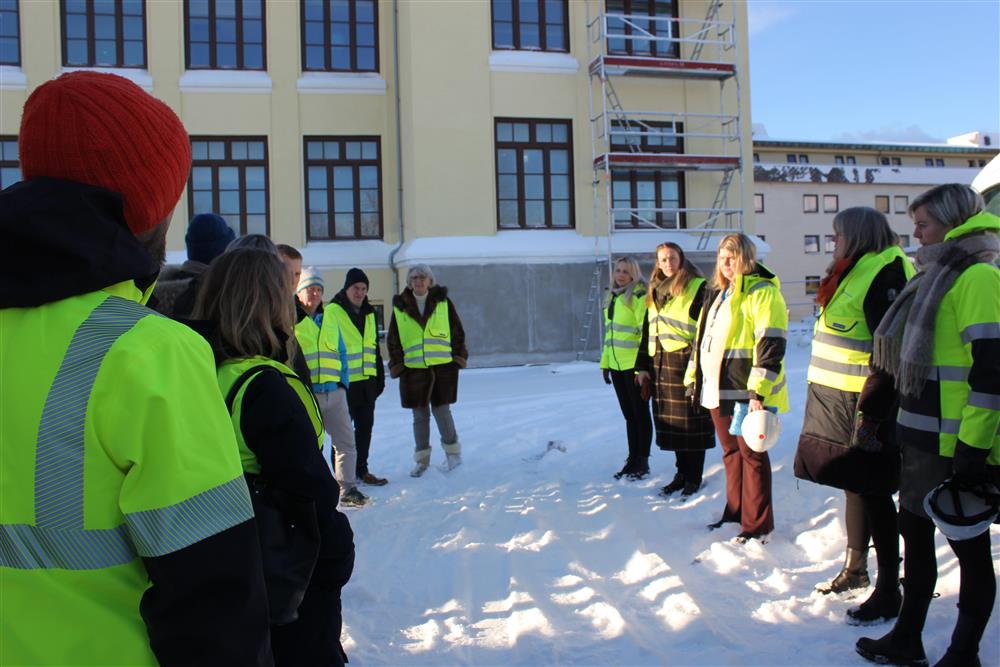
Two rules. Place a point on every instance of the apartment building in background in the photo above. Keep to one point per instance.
(799, 186)
(465, 135)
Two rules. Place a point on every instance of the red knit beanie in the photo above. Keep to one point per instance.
(104, 130)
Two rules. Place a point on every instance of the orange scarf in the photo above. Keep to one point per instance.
(829, 284)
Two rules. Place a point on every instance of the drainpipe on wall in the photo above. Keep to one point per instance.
(399, 146)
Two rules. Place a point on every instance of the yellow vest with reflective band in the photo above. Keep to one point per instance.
(968, 312)
(426, 346)
(672, 325)
(360, 345)
(115, 446)
(232, 371)
(842, 343)
(623, 331)
(320, 347)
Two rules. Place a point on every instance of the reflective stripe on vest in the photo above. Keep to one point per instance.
(672, 326)
(320, 347)
(426, 346)
(360, 345)
(623, 330)
(58, 539)
(842, 343)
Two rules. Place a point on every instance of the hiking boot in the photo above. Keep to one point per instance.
(372, 480)
(354, 498)
(640, 470)
(882, 605)
(419, 469)
(854, 574)
(690, 488)
(627, 469)
(675, 485)
(453, 461)
(888, 650)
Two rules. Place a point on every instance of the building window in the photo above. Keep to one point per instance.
(10, 33)
(98, 33)
(982, 163)
(803, 159)
(792, 158)
(224, 34)
(972, 163)
(829, 245)
(534, 173)
(896, 162)
(762, 237)
(810, 244)
(379, 308)
(928, 162)
(10, 169)
(530, 25)
(340, 36)
(812, 284)
(647, 200)
(831, 203)
(629, 29)
(758, 202)
(343, 187)
(838, 159)
(645, 136)
(851, 159)
(884, 161)
(904, 240)
(756, 157)
(882, 203)
(901, 203)
(938, 162)
(229, 177)
(810, 203)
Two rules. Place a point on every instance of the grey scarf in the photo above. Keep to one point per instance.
(904, 340)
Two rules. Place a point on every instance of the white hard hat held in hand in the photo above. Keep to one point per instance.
(761, 430)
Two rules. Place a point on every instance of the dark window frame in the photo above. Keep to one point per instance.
(327, 44)
(355, 164)
(904, 240)
(644, 145)
(657, 177)
(805, 241)
(229, 161)
(836, 203)
(515, 22)
(758, 196)
(811, 285)
(829, 244)
(119, 17)
(803, 158)
(838, 159)
(792, 158)
(905, 203)
(815, 200)
(213, 41)
(8, 163)
(16, 12)
(545, 147)
(630, 50)
(884, 210)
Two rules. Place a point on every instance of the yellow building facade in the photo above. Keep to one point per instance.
(462, 134)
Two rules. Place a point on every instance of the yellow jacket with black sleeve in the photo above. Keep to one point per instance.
(126, 530)
(624, 327)
(753, 366)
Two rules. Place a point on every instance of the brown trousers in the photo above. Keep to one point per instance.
(748, 480)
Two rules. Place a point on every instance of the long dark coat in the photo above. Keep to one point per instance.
(437, 385)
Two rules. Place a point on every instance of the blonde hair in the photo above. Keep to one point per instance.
(679, 281)
(245, 293)
(633, 270)
(746, 258)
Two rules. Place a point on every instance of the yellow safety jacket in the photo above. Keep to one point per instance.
(236, 375)
(425, 346)
(957, 404)
(672, 326)
(321, 348)
(115, 446)
(623, 323)
(360, 345)
(842, 343)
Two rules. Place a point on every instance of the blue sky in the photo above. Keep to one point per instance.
(874, 70)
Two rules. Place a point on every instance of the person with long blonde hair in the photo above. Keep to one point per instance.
(624, 336)
(674, 302)
(738, 368)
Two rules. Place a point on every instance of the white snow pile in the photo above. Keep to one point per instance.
(530, 554)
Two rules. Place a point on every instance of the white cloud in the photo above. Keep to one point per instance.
(763, 14)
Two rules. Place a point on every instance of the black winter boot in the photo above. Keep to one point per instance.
(902, 646)
(964, 648)
(882, 605)
(627, 469)
(674, 486)
(853, 575)
(640, 470)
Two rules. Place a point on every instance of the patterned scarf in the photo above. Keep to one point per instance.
(904, 341)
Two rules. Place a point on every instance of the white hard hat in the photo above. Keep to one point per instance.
(761, 430)
(962, 512)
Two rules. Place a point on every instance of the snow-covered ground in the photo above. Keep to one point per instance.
(527, 557)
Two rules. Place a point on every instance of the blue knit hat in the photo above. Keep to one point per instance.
(207, 237)
(310, 276)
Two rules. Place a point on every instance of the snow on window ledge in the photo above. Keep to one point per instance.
(225, 81)
(12, 78)
(341, 83)
(139, 77)
(538, 62)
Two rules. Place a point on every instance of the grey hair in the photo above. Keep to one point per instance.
(862, 230)
(950, 204)
(421, 269)
(254, 241)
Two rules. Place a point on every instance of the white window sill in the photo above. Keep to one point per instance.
(12, 78)
(139, 77)
(225, 81)
(536, 62)
(341, 83)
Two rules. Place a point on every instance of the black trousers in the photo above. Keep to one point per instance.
(690, 465)
(638, 421)
(361, 397)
